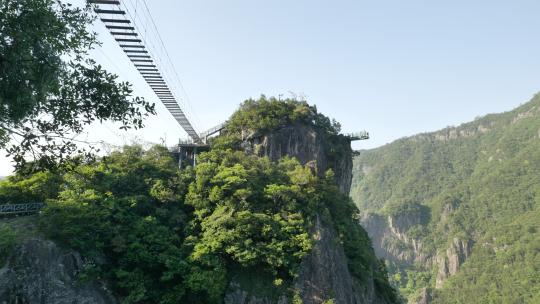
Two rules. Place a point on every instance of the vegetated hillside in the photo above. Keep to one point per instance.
(239, 228)
(456, 213)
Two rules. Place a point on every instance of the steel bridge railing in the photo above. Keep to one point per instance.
(362, 135)
(20, 208)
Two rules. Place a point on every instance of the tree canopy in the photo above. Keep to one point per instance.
(49, 88)
(160, 235)
(269, 113)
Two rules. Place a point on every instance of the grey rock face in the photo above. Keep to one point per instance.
(236, 295)
(324, 273)
(390, 239)
(450, 261)
(40, 272)
(307, 145)
(425, 296)
(391, 242)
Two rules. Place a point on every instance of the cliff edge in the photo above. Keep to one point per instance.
(324, 274)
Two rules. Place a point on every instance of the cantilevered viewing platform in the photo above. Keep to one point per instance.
(362, 135)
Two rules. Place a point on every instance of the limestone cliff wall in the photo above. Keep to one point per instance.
(308, 145)
(392, 243)
(449, 261)
(324, 273)
(38, 272)
(390, 239)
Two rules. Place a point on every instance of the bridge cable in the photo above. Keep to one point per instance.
(126, 32)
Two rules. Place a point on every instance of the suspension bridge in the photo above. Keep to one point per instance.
(123, 21)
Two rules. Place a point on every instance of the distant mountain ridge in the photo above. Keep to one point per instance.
(456, 212)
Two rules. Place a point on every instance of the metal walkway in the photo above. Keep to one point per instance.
(362, 135)
(132, 43)
(206, 134)
(20, 208)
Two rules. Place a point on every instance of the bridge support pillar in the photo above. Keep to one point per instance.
(180, 158)
(187, 154)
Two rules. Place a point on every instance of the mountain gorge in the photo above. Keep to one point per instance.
(456, 213)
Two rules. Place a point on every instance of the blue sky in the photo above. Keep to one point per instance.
(394, 68)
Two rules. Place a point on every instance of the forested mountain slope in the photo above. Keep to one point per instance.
(264, 217)
(456, 212)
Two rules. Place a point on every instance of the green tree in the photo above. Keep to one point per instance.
(269, 113)
(49, 89)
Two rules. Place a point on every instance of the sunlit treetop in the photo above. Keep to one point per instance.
(267, 114)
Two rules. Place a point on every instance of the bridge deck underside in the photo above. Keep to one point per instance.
(132, 43)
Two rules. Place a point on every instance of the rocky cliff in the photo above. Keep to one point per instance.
(390, 239)
(449, 261)
(392, 242)
(309, 146)
(38, 272)
(337, 266)
(324, 274)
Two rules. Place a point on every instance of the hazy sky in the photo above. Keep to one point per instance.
(394, 68)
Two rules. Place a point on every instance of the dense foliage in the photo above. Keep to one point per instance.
(49, 89)
(159, 235)
(267, 114)
(479, 182)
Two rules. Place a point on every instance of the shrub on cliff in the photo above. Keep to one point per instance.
(7, 241)
(267, 114)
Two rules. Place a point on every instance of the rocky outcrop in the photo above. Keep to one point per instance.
(390, 239)
(391, 242)
(451, 260)
(39, 272)
(308, 146)
(324, 274)
(425, 296)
